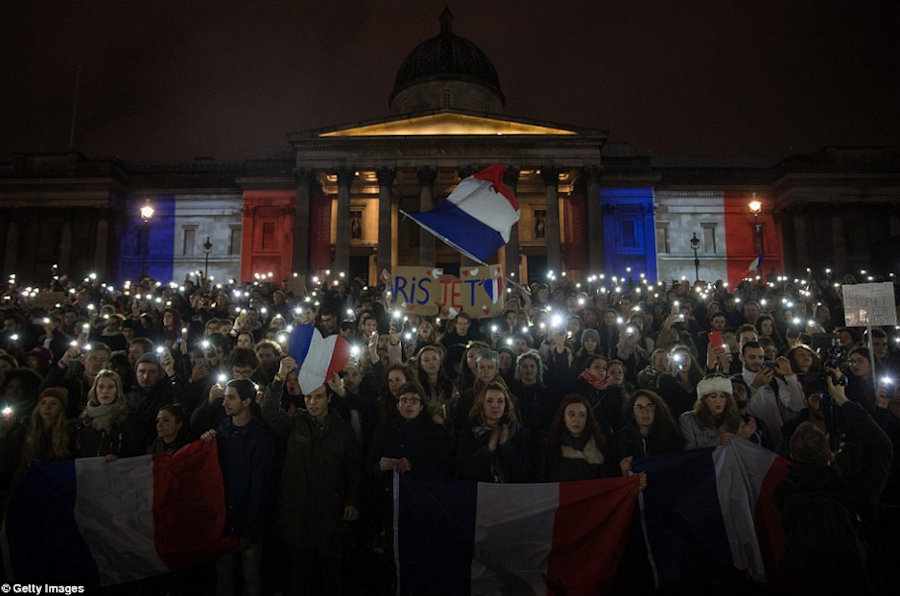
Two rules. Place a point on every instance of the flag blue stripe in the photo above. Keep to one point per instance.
(44, 499)
(460, 230)
(436, 507)
(300, 340)
(683, 515)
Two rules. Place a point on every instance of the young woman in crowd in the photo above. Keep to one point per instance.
(493, 448)
(605, 399)
(715, 419)
(106, 427)
(576, 446)
(466, 377)
(860, 387)
(171, 430)
(396, 377)
(765, 327)
(678, 386)
(48, 436)
(649, 430)
(438, 388)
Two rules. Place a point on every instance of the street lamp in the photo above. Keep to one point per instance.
(146, 215)
(756, 208)
(207, 248)
(695, 245)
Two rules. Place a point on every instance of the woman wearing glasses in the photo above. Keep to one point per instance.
(649, 430)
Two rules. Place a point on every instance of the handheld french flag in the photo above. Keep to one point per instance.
(318, 358)
(476, 217)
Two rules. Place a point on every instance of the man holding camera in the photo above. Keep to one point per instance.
(776, 395)
(829, 499)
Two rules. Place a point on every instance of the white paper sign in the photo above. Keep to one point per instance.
(869, 304)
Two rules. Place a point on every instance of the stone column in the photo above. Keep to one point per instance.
(64, 256)
(10, 254)
(594, 208)
(801, 248)
(386, 178)
(302, 214)
(511, 180)
(345, 178)
(837, 241)
(550, 176)
(427, 176)
(101, 248)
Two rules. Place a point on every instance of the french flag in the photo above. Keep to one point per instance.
(460, 537)
(93, 523)
(318, 357)
(494, 288)
(714, 504)
(476, 218)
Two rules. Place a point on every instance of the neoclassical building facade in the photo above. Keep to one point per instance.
(335, 199)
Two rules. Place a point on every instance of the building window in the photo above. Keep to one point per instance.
(709, 238)
(234, 247)
(629, 239)
(188, 244)
(267, 242)
(446, 98)
(662, 238)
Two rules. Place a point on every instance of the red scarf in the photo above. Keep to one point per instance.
(599, 384)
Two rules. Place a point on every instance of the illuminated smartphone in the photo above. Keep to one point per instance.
(716, 341)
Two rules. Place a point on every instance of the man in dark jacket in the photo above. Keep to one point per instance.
(320, 485)
(246, 456)
(828, 499)
(157, 385)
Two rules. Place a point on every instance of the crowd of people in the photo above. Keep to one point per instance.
(572, 382)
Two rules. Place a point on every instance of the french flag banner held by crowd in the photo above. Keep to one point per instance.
(476, 218)
(93, 523)
(458, 537)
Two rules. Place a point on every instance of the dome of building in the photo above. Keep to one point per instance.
(447, 71)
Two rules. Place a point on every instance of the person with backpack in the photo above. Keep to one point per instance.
(829, 500)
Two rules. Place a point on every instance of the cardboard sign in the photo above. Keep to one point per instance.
(869, 305)
(48, 300)
(478, 291)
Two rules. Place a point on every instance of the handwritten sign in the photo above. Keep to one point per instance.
(869, 305)
(478, 291)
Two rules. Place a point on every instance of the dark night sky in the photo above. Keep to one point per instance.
(167, 80)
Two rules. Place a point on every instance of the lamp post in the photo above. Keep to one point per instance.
(146, 215)
(207, 248)
(695, 245)
(756, 208)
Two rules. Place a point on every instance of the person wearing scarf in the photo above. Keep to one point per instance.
(576, 447)
(493, 448)
(715, 419)
(106, 427)
(605, 400)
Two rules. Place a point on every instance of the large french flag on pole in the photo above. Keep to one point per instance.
(458, 537)
(318, 357)
(714, 504)
(476, 218)
(94, 523)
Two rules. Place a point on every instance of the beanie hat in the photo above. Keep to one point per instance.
(60, 393)
(151, 358)
(590, 333)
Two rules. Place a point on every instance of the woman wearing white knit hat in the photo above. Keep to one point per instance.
(715, 419)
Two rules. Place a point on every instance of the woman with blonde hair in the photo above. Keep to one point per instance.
(106, 427)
